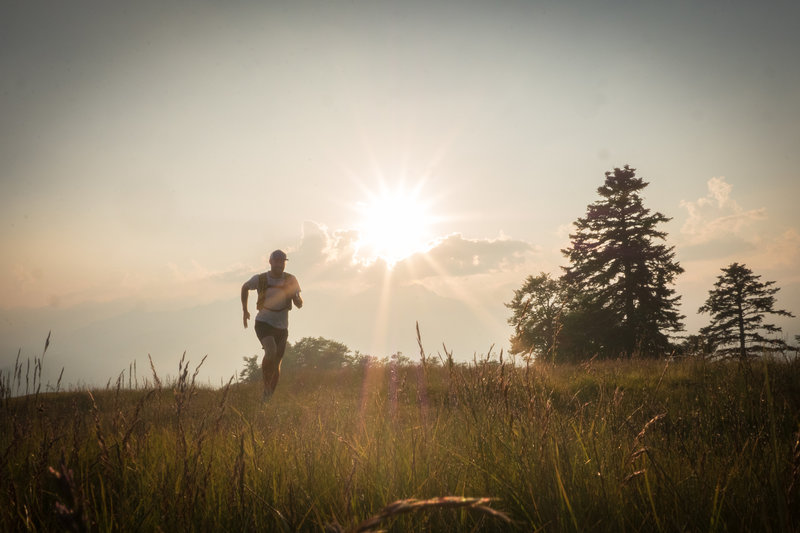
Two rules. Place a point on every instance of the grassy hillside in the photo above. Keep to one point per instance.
(607, 446)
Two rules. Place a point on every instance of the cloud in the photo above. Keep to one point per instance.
(719, 231)
(24, 275)
(473, 275)
(456, 256)
(197, 273)
(326, 257)
(780, 252)
(718, 216)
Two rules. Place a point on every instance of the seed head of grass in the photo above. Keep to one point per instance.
(413, 506)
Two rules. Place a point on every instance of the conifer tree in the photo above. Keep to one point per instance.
(621, 270)
(737, 305)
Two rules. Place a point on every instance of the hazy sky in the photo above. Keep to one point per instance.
(152, 154)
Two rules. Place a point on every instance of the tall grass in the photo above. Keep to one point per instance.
(438, 446)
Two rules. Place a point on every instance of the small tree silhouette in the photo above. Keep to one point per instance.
(537, 308)
(737, 305)
(251, 370)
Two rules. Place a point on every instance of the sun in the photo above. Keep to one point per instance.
(394, 224)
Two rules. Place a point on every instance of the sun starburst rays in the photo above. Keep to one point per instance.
(394, 224)
(399, 228)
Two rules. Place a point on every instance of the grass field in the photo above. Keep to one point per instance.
(486, 446)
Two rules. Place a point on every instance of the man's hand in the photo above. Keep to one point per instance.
(246, 317)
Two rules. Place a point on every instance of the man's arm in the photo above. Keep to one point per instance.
(298, 301)
(246, 315)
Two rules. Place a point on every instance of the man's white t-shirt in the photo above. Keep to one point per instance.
(275, 299)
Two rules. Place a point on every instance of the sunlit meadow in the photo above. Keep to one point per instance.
(493, 445)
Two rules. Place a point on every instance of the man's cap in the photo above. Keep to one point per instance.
(278, 254)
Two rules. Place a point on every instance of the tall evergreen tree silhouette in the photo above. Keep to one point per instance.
(737, 305)
(623, 271)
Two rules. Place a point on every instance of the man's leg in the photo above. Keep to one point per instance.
(270, 365)
(276, 374)
(280, 348)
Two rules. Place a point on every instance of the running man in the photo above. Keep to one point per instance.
(277, 290)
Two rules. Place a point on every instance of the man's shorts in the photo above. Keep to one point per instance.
(280, 335)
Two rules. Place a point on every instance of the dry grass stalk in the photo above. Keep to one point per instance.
(794, 475)
(155, 374)
(413, 505)
(69, 505)
(652, 421)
